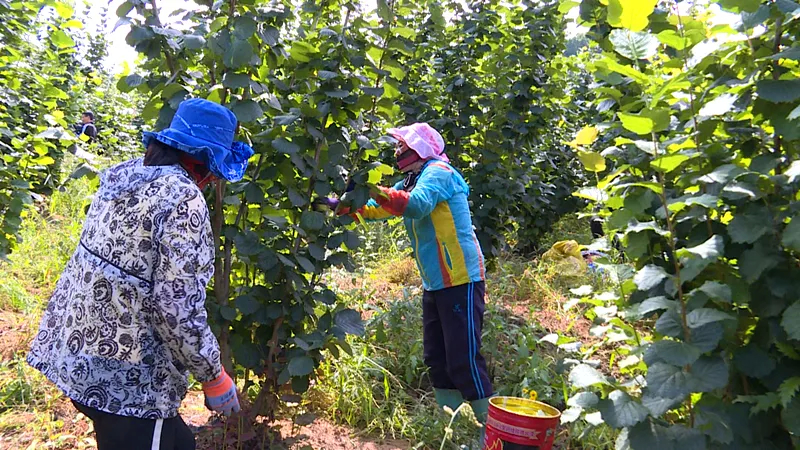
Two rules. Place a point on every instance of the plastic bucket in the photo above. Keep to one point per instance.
(520, 424)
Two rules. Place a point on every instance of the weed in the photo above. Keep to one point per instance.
(569, 227)
(382, 241)
(49, 236)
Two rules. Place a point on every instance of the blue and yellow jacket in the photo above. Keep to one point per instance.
(437, 218)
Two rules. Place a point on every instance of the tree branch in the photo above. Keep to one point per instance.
(173, 70)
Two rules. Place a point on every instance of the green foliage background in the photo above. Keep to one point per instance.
(697, 174)
(315, 85)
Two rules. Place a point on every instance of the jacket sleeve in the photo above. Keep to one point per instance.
(372, 211)
(185, 266)
(434, 185)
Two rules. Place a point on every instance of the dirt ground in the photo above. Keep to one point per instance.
(283, 434)
(58, 426)
(55, 424)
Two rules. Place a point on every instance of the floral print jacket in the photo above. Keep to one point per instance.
(127, 319)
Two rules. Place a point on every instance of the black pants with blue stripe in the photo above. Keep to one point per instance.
(452, 321)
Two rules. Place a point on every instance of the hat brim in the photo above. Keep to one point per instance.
(228, 163)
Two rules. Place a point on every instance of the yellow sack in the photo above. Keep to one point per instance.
(567, 257)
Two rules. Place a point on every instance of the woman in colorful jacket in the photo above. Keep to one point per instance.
(433, 201)
(127, 320)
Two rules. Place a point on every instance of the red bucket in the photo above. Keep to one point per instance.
(520, 424)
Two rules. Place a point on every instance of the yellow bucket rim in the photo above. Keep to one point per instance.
(507, 404)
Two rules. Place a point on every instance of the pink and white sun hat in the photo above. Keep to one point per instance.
(423, 139)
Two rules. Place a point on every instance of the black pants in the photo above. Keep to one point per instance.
(131, 433)
(452, 321)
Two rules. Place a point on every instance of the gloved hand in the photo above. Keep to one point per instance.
(392, 200)
(321, 204)
(221, 395)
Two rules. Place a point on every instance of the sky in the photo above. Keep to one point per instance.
(120, 52)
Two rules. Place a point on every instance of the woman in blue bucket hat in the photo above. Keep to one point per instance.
(127, 322)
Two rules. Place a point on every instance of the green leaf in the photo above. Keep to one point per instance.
(790, 416)
(630, 14)
(301, 51)
(583, 376)
(708, 373)
(301, 366)
(752, 361)
(789, 389)
(64, 9)
(193, 42)
(750, 20)
(296, 198)
(583, 400)
(740, 5)
(661, 118)
(715, 290)
(83, 170)
(667, 381)
(247, 304)
(707, 337)
(655, 304)
(286, 119)
(244, 27)
(702, 316)
(791, 321)
(284, 146)
(658, 406)
(247, 111)
(312, 221)
(791, 234)
(227, 312)
(756, 261)
(239, 54)
(719, 106)
(668, 163)
(592, 161)
(746, 228)
(762, 403)
(351, 240)
(713, 248)
(349, 321)
(792, 53)
(695, 259)
(636, 124)
(712, 419)
(246, 354)
(671, 352)
(306, 264)
(634, 45)
(673, 39)
(779, 91)
(384, 12)
(338, 93)
(795, 114)
(649, 277)
(571, 414)
(124, 8)
(300, 385)
(316, 251)
(620, 410)
(327, 75)
(61, 39)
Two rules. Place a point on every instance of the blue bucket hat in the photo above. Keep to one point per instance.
(205, 130)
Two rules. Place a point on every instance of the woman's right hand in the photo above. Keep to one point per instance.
(221, 395)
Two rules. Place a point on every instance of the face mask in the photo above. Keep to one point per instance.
(197, 170)
(406, 159)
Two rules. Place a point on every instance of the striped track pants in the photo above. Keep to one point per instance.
(452, 323)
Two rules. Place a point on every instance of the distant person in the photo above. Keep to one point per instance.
(127, 321)
(87, 126)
